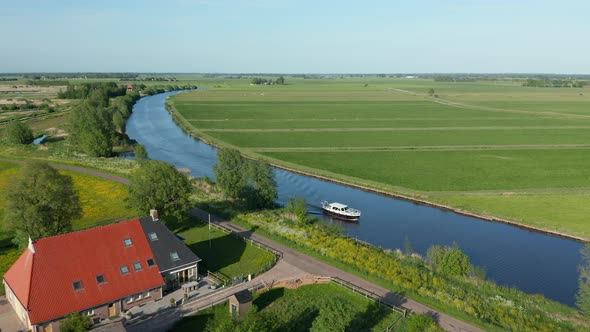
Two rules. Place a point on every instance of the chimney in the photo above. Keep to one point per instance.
(154, 214)
(31, 245)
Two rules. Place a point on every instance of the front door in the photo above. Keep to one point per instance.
(112, 310)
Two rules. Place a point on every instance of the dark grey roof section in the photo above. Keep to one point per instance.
(167, 243)
(243, 296)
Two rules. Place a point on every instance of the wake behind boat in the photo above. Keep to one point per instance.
(340, 211)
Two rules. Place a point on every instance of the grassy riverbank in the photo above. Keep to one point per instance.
(483, 303)
(491, 148)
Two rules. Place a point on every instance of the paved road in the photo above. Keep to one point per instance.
(306, 263)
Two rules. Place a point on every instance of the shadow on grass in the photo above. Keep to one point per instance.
(301, 323)
(220, 252)
(269, 297)
(365, 321)
(193, 323)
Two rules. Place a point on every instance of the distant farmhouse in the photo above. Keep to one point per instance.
(100, 272)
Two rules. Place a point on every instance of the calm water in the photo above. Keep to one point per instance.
(531, 261)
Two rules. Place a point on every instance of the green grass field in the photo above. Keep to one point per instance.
(472, 146)
(309, 308)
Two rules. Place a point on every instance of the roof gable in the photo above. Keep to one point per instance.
(61, 260)
(18, 277)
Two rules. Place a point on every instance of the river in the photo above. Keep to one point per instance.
(531, 261)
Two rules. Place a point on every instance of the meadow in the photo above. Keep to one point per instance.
(490, 147)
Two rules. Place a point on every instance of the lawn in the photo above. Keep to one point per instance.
(472, 137)
(326, 307)
(226, 253)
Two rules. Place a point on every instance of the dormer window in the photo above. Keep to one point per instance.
(100, 279)
(78, 285)
(150, 262)
(174, 256)
(124, 269)
(153, 236)
(128, 242)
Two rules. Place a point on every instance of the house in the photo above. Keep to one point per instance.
(129, 87)
(100, 272)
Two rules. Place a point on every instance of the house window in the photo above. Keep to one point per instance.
(89, 312)
(150, 262)
(124, 269)
(153, 236)
(146, 294)
(130, 299)
(174, 256)
(128, 242)
(137, 266)
(78, 285)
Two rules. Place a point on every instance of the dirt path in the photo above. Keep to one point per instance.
(77, 169)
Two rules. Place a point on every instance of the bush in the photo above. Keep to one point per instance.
(297, 206)
(420, 323)
(75, 322)
(19, 133)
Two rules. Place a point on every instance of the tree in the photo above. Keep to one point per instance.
(455, 262)
(119, 121)
(583, 295)
(75, 322)
(280, 80)
(261, 188)
(158, 185)
(140, 151)
(19, 133)
(431, 91)
(93, 129)
(40, 203)
(230, 172)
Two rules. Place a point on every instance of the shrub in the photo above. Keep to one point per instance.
(19, 133)
(420, 323)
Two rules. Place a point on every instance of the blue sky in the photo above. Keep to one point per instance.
(283, 36)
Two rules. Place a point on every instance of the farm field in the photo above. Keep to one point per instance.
(489, 147)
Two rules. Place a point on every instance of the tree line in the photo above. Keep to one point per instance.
(548, 83)
(263, 81)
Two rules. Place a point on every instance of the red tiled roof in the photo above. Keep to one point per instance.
(61, 260)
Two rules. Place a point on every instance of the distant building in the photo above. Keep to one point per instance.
(100, 272)
(130, 87)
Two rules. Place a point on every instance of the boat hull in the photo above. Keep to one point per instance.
(339, 216)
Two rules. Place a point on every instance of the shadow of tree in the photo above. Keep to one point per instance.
(364, 321)
(220, 252)
(269, 297)
(302, 323)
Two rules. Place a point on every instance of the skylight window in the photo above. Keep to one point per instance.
(137, 266)
(153, 236)
(124, 269)
(150, 262)
(78, 285)
(128, 242)
(174, 256)
(100, 279)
